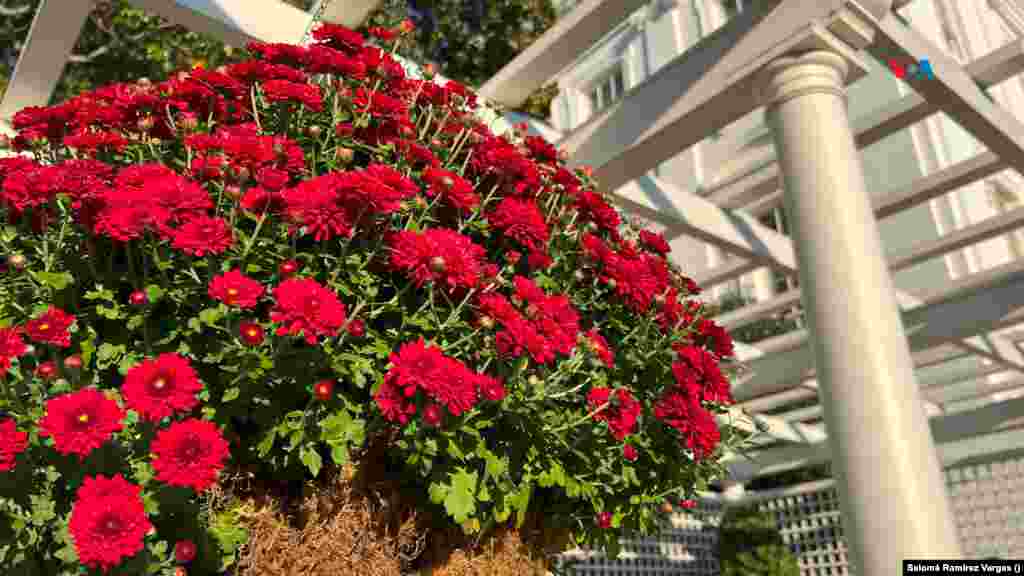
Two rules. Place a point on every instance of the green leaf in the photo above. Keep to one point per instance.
(154, 292)
(230, 394)
(56, 280)
(265, 445)
(460, 501)
(311, 458)
(339, 454)
(210, 316)
(108, 354)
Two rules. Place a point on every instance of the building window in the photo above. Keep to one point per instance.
(608, 89)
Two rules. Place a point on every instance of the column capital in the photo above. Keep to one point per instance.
(818, 71)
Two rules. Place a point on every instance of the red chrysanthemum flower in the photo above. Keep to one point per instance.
(620, 410)
(108, 521)
(11, 346)
(302, 306)
(202, 235)
(417, 367)
(655, 242)
(454, 190)
(491, 388)
(438, 255)
(189, 453)
(699, 370)
(594, 208)
(160, 387)
(629, 453)
(51, 328)
(80, 422)
(599, 346)
(696, 426)
(12, 443)
(236, 289)
(522, 221)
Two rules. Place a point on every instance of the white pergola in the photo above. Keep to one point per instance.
(886, 430)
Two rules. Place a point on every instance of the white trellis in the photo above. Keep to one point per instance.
(864, 340)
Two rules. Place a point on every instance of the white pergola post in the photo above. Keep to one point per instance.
(893, 496)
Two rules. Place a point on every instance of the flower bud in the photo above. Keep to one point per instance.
(232, 191)
(487, 322)
(314, 131)
(323, 390)
(73, 362)
(46, 370)
(289, 267)
(138, 298)
(185, 551)
(344, 155)
(437, 264)
(17, 261)
(534, 380)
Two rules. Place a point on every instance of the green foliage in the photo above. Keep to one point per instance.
(750, 545)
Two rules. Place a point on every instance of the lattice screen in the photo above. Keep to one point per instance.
(987, 500)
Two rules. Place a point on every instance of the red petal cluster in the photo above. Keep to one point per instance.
(618, 408)
(51, 328)
(695, 425)
(547, 325)
(421, 372)
(11, 346)
(80, 422)
(697, 371)
(303, 306)
(236, 289)
(108, 521)
(12, 443)
(190, 453)
(438, 255)
(160, 387)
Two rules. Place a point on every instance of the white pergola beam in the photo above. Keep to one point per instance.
(704, 89)
(987, 424)
(572, 35)
(235, 22)
(952, 89)
(759, 190)
(52, 37)
(349, 13)
(972, 305)
(686, 213)
(967, 236)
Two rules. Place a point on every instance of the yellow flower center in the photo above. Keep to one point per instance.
(44, 326)
(159, 383)
(83, 418)
(232, 292)
(252, 332)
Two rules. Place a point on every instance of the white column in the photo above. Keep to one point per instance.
(894, 500)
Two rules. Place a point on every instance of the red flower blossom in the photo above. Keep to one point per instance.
(303, 306)
(438, 255)
(80, 422)
(629, 453)
(203, 235)
(491, 388)
(715, 338)
(323, 390)
(189, 453)
(51, 328)
(251, 333)
(655, 242)
(108, 521)
(12, 443)
(594, 208)
(698, 370)
(417, 367)
(599, 346)
(688, 504)
(695, 425)
(453, 189)
(339, 37)
(522, 221)
(604, 520)
(236, 289)
(11, 347)
(621, 412)
(184, 551)
(286, 91)
(160, 387)
(432, 415)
